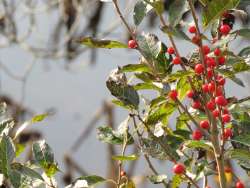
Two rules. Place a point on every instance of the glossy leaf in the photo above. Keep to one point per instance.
(244, 33)
(245, 52)
(157, 5)
(96, 43)
(243, 139)
(135, 68)
(5, 126)
(176, 11)
(125, 158)
(140, 10)
(241, 156)
(199, 144)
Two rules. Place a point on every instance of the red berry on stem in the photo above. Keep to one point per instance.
(177, 61)
(221, 81)
(190, 94)
(205, 88)
(173, 94)
(205, 49)
(239, 184)
(217, 52)
(196, 105)
(221, 60)
(210, 62)
(132, 44)
(197, 135)
(171, 50)
(226, 118)
(196, 40)
(225, 29)
(209, 72)
(211, 87)
(210, 105)
(192, 29)
(216, 113)
(220, 100)
(179, 169)
(205, 124)
(219, 91)
(199, 68)
(225, 111)
(228, 133)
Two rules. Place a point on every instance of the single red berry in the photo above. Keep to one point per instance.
(239, 184)
(216, 113)
(210, 105)
(196, 40)
(226, 118)
(190, 94)
(225, 29)
(197, 135)
(173, 94)
(211, 87)
(205, 88)
(205, 124)
(205, 49)
(221, 60)
(209, 72)
(192, 29)
(132, 44)
(123, 173)
(179, 169)
(217, 52)
(221, 81)
(228, 133)
(170, 50)
(225, 111)
(196, 105)
(210, 62)
(228, 169)
(219, 91)
(199, 68)
(220, 100)
(177, 61)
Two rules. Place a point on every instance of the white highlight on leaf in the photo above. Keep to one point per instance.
(158, 130)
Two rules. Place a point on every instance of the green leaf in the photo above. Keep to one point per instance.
(5, 126)
(176, 181)
(135, 68)
(121, 104)
(183, 87)
(214, 9)
(241, 156)
(140, 11)
(243, 139)
(7, 154)
(26, 171)
(39, 118)
(231, 75)
(199, 144)
(245, 52)
(178, 75)
(88, 181)
(244, 33)
(176, 11)
(175, 31)
(158, 5)
(154, 51)
(108, 135)
(157, 179)
(45, 157)
(125, 158)
(96, 43)
(240, 67)
(146, 86)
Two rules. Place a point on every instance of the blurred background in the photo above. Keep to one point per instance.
(43, 69)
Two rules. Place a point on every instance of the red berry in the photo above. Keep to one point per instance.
(228, 169)
(221, 81)
(205, 49)
(217, 52)
(239, 184)
(228, 133)
(197, 135)
(132, 44)
(210, 62)
(171, 50)
(226, 118)
(177, 61)
(173, 94)
(220, 100)
(225, 14)
(123, 173)
(216, 113)
(221, 60)
(209, 73)
(225, 111)
(205, 124)
(196, 40)
(210, 105)
(211, 87)
(190, 94)
(179, 169)
(219, 91)
(225, 29)
(199, 68)
(192, 29)
(205, 88)
(196, 105)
